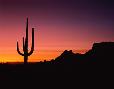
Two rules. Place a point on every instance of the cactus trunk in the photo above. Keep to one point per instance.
(25, 45)
(25, 59)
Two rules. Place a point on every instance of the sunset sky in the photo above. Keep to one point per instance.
(59, 25)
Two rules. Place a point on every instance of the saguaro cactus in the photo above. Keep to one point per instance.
(26, 52)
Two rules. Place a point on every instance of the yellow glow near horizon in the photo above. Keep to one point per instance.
(35, 57)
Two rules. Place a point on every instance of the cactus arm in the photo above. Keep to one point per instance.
(23, 44)
(32, 47)
(18, 50)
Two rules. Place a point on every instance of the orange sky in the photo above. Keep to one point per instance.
(35, 57)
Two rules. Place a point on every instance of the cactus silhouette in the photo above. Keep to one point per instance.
(26, 52)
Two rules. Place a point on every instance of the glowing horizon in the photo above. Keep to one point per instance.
(37, 56)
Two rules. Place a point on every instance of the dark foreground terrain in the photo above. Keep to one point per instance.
(96, 64)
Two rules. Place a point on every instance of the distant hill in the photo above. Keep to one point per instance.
(101, 53)
(68, 57)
